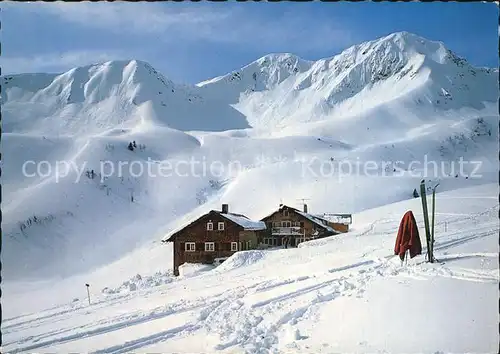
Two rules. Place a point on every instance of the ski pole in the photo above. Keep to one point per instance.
(432, 227)
(423, 196)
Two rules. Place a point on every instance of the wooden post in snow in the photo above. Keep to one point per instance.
(88, 292)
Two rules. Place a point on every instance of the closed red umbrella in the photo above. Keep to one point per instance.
(408, 238)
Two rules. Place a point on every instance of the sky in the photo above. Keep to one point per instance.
(191, 42)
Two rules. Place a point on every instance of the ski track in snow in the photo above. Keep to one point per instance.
(247, 317)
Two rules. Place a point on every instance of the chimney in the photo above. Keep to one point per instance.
(305, 208)
(225, 208)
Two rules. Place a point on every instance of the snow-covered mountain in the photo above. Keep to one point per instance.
(401, 69)
(116, 94)
(279, 129)
(277, 90)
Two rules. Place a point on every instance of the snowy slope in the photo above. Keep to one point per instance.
(401, 69)
(84, 223)
(347, 293)
(89, 223)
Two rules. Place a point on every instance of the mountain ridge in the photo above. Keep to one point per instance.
(276, 90)
(309, 92)
(98, 97)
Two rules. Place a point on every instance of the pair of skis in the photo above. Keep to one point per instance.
(429, 234)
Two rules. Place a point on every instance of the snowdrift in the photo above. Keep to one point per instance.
(241, 259)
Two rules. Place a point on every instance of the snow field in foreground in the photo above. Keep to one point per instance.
(341, 294)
